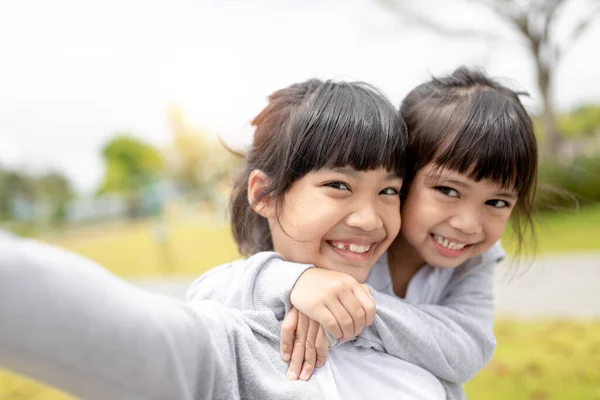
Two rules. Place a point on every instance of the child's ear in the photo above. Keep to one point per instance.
(257, 183)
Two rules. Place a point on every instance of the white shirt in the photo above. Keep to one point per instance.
(357, 373)
(425, 287)
(353, 372)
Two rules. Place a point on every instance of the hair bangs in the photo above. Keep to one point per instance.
(309, 126)
(469, 123)
(490, 143)
(356, 127)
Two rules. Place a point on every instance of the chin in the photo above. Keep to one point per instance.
(450, 264)
(446, 263)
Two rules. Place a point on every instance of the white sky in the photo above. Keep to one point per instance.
(72, 73)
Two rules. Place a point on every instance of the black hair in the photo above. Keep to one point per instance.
(308, 126)
(474, 125)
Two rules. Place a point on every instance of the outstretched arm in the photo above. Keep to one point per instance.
(72, 324)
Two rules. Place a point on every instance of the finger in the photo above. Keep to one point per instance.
(368, 303)
(322, 346)
(367, 288)
(330, 322)
(297, 358)
(288, 329)
(355, 309)
(310, 351)
(343, 319)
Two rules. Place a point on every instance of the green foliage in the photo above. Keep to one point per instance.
(558, 232)
(13, 185)
(196, 162)
(583, 121)
(23, 195)
(130, 164)
(200, 164)
(538, 128)
(55, 189)
(563, 187)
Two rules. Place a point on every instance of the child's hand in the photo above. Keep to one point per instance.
(303, 343)
(336, 300)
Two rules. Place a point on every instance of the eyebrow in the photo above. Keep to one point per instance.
(354, 173)
(346, 171)
(458, 183)
(506, 195)
(392, 177)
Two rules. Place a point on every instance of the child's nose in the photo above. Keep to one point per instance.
(467, 220)
(366, 218)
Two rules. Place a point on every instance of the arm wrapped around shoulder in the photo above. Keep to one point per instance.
(453, 340)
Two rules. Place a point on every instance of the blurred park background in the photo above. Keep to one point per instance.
(110, 111)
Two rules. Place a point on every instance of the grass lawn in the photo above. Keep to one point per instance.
(129, 249)
(564, 232)
(534, 360)
(542, 361)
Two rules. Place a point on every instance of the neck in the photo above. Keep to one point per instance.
(404, 262)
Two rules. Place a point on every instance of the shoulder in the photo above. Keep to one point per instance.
(379, 278)
(495, 254)
(481, 266)
(214, 282)
(491, 257)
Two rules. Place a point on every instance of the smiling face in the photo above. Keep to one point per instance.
(340, 219)
(448, 217)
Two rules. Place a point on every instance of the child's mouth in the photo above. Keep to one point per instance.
(353, 247)
(449, 248)
(352, 251)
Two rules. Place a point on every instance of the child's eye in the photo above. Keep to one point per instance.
(390, 191)
(496, 203)
(338, 185)
(447, 191)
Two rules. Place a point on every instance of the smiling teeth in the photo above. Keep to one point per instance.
(359, 249)
(446, 243)
(355, 248)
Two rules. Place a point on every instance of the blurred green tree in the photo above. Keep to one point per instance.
(187, 153)
(583, 121)
(56, 191)
(14, 186)
(37, 200)
(196, 162)
(130, 165)
(539, 26)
